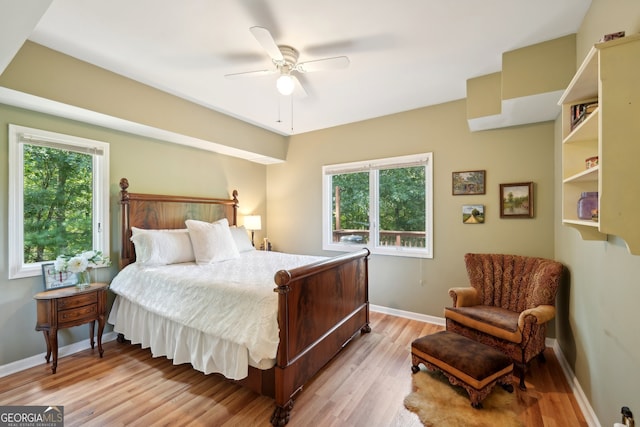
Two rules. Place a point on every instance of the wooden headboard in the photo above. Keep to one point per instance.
(159, 211)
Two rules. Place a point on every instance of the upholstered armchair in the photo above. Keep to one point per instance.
(508, 305)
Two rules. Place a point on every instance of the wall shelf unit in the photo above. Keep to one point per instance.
(601, 117)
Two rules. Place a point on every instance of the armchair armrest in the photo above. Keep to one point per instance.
(540, 314)
(464, 297)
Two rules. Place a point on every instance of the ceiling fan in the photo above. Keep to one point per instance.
(285, 59)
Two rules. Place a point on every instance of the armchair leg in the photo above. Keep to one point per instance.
(542, 358)
(521, 369)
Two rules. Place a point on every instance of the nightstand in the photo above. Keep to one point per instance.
(67, 307)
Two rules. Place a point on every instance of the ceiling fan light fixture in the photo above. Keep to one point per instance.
(285, 84)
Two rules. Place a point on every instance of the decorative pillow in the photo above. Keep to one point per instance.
(212, 242)
(240, 236)
(162, 247)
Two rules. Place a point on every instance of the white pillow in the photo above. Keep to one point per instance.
(212, 242)
(240, 236)
(162, 247)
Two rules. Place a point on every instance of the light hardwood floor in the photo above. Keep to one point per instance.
(363, 386)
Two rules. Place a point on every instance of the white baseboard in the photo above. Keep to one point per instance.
(583, 402)
(408, 314)
(38, 359)
(589, 415)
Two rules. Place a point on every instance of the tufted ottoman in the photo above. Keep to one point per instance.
(467, 363)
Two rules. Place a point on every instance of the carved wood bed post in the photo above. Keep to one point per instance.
(124, 201)
(236, 204)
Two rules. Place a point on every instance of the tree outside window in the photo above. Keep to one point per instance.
(402, 213)
(58, 201)
(383, 204)
(351, 207)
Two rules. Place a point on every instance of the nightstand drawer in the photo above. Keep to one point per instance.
(77, 300)
(82, 314)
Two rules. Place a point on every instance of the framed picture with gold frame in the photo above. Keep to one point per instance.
(468, 182)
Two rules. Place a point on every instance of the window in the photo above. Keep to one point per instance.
(385, 205)
(58, 198)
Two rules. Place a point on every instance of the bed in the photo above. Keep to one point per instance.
(315, 307)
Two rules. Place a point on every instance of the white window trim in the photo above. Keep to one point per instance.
(18, 135)
(425, 159)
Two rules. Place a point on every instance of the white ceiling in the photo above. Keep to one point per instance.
(404, 54)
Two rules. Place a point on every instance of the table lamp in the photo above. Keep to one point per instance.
(252, 223)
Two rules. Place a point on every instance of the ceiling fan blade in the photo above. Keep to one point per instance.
(299, 90)
(257, 73)
(335, 63)
(266, 41)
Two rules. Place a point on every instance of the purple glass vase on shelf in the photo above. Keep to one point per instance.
(588, 205)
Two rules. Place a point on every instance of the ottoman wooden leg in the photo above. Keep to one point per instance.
(507, 387)
(415, 360)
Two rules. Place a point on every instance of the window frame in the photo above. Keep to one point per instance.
(20, 135)
(371, 166)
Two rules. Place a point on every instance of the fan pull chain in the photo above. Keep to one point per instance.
(291, 96)
(279, 118)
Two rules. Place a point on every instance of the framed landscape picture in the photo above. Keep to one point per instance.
(473, 214)
(468, 182)
(516, 200)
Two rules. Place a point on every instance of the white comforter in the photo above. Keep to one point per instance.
(233, 299)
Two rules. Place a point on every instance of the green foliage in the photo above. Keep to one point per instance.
(58, 199)
(402, 199)
(353, 190)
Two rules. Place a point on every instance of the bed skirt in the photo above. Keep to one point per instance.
(180, 343)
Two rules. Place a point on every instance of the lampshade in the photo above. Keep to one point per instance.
(285, 84)
(252, 222)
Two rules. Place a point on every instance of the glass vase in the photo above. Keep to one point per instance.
(588, 205)
(84, 280)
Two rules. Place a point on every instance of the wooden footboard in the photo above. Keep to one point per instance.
(321, 307)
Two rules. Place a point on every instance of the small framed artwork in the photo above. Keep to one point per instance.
(473, 214)
(53, 279)
(468, 182)
(516, 200)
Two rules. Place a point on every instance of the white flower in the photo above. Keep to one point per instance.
(88, 255)
(60, 263)
(77, 264)
(95, 259)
